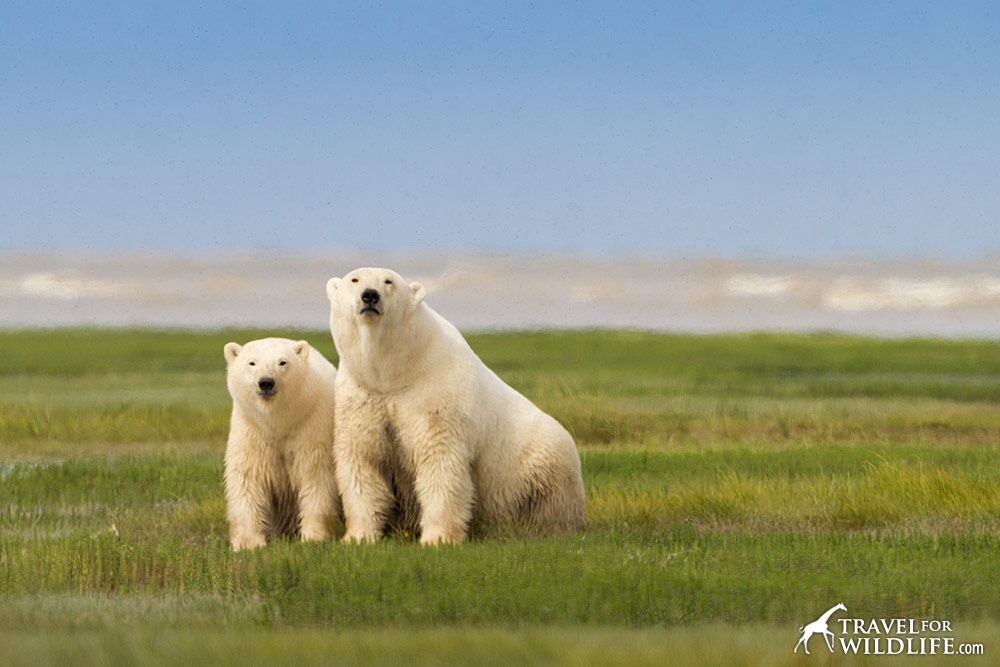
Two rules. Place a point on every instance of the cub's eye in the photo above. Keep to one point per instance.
(252, 363)
(282, 362)
(388, 282)
(354, 280)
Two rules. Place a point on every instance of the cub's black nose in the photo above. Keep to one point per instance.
(370, 297)
(266, 384)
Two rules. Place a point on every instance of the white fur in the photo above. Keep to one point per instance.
(280, 477)
(424, 427)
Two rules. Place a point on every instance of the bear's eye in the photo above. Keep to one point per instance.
(282, 362)
(388, 282)
(354, 280)
(253, 363)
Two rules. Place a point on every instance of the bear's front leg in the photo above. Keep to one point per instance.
(365, 496)
(443, 485)
(247, 505)
(360, 444)
(318, 498)
(315, 507)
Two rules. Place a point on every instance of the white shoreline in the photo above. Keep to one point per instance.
(953, 298)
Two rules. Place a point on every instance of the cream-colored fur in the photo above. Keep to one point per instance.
(279, 477)
(424, 428)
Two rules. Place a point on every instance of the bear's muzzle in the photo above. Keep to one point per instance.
(266, 387)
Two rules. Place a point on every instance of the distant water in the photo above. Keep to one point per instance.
(899, 297)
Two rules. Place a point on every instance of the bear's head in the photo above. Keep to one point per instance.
(266, 371)
(372, 297)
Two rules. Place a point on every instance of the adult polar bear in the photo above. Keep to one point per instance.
(279, 473)
(424, 428)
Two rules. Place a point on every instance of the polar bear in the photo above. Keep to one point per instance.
(279, 473)
(424, 429)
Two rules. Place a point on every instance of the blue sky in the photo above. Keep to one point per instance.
(676, 128)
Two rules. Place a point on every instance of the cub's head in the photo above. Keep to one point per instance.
(265, 371)
(372, 297)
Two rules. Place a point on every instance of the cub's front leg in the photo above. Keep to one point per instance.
(315, 479)
(247, 506)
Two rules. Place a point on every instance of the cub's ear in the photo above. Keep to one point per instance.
(301, 348)
(332, 285)
(232, 350)
(418, 292)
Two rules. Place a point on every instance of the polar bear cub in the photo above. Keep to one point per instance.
(279, 473)
(425, 429)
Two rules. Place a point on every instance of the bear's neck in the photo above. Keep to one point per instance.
(280, 418)
(388, 359)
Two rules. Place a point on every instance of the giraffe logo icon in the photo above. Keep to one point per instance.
(819, 626)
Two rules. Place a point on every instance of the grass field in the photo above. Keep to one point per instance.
(738, 486)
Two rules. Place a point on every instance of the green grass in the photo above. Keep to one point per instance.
(712, 644)
(738, 485)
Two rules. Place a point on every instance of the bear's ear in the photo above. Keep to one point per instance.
(232, 350)
(331, 287)
(418, 292)
(301, 349)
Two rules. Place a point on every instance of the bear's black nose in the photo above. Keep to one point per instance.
(370, 297)
(266, 384)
